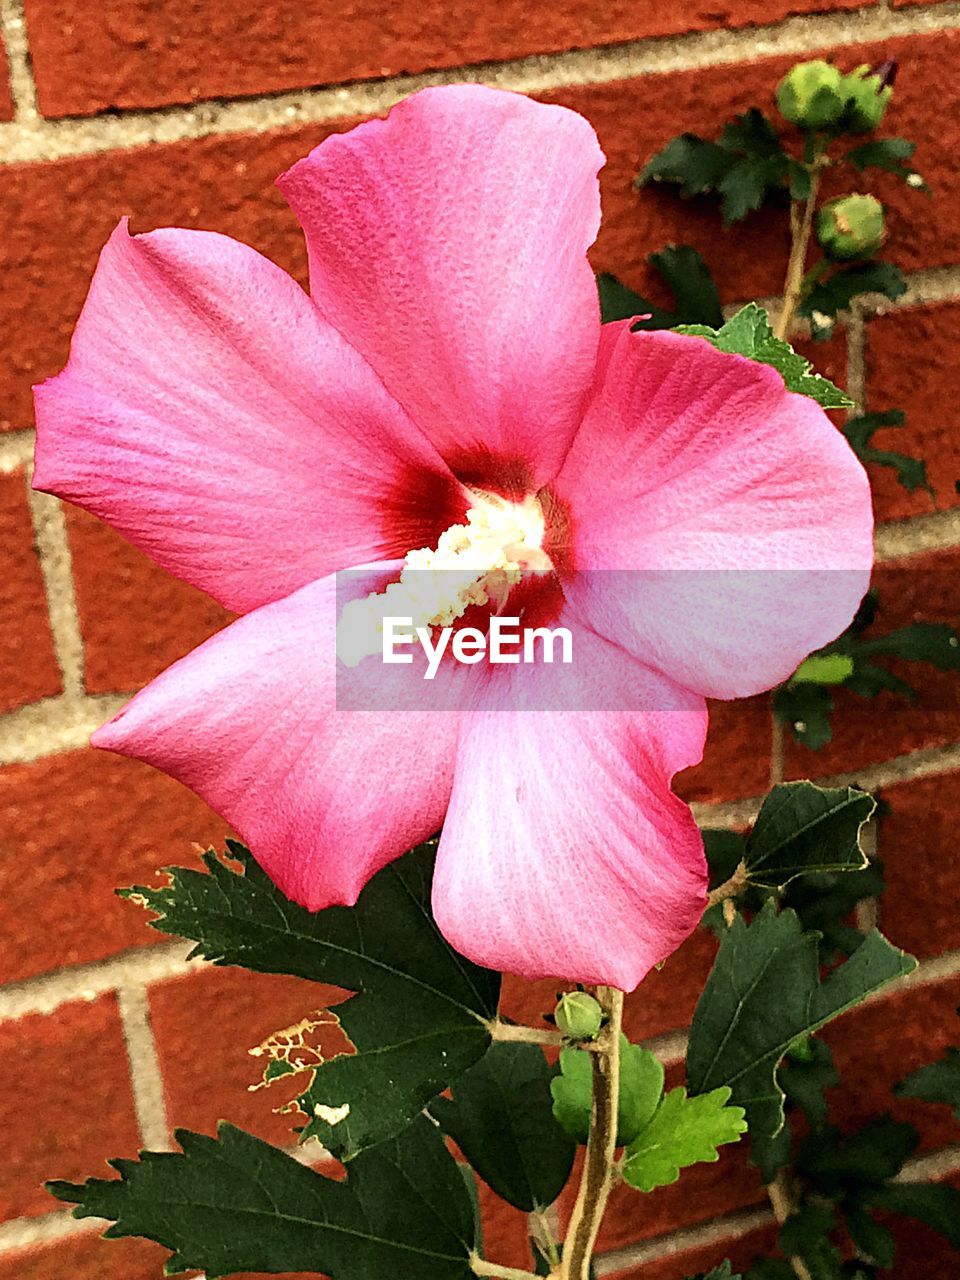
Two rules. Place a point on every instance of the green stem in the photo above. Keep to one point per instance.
(801, 227)
(597, 1178)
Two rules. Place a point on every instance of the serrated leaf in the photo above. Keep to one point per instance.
(641, 1087)
(911, 472)
(418, 1020)
(692, 162)
(933, 1203)
(803, 1080)
(872, 1238)
(936, 1082)
(501, 1118)
(802, 828)
(824, 902)
(763, 993)
(932, 642)
(682, 1132)
(234, 1203)
(618, 302)
(889, 154)
(749, 334)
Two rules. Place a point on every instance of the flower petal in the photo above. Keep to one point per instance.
(448, 244)
(564, 852)
(721, 525)
(250, 722)
(210, 414)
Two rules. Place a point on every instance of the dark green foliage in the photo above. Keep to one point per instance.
(688, 278)
(418, 1020)
(829, 297)
(501, 1118)
(802, 828)
(744, 167)
(891, 155)
(911, 472)
(234, 1203)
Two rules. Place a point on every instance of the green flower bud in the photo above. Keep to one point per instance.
(867, 93)
(578, 1015)
(811, 95)
(851, 227)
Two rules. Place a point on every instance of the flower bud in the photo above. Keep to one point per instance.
(578, 1015)
(867, 93)
(851, 227)
(811, 95)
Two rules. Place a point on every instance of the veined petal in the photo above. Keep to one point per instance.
(721, 525)
(448, 244)
(565, 853)
(211, 415)
(250, 721)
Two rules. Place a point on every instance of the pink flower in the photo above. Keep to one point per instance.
(255, 441)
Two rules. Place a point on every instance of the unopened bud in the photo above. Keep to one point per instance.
(811, 95)
(578, 1015)
(867, 93)
(851, 227)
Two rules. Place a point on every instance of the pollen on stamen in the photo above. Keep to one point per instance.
(475, 563)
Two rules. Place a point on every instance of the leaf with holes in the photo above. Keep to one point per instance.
(418, 1019)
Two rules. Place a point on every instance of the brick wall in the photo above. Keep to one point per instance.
(183, 113)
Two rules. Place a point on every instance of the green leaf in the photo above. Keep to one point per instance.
(803, 1080)
(836, 1163)
(824, 902)
(749, 334)
(763, 993)
(744, 166)
(689, 279)
(501, 1118)
(641, 1087)
(932, 642)
(910, 472)
(802, 828)
(933, 1203)
(823, 668)
(806, 1235)
(889, 154)
(835, 294)
(234, 1203)
(682, 1132)
(806, 708)
(695, 295)
(871, 1237)
(724, 852)
(418, 1020)
(723, 1272)
(937, 1082)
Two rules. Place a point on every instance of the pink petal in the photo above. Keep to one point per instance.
(448, 244)
(250, 722)
(564, 853)
(210, 414)
(722, 526)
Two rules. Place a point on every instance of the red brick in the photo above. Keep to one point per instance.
(86, 1256)
(60, 214)
(28, 667)
(72, 1107)
(72, 828)
(880, 1043)
(135, 618)
(204, 1023)
(140, 57)
(917, 842)
(926, 384)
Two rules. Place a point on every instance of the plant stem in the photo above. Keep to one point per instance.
(480, 1267)
(597, 1177)
(542, 1223)
(801, 225)
(730, 888)
(522, 1035)
(778, 749)
(781, 1201)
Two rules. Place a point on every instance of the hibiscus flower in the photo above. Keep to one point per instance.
(446, 389)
